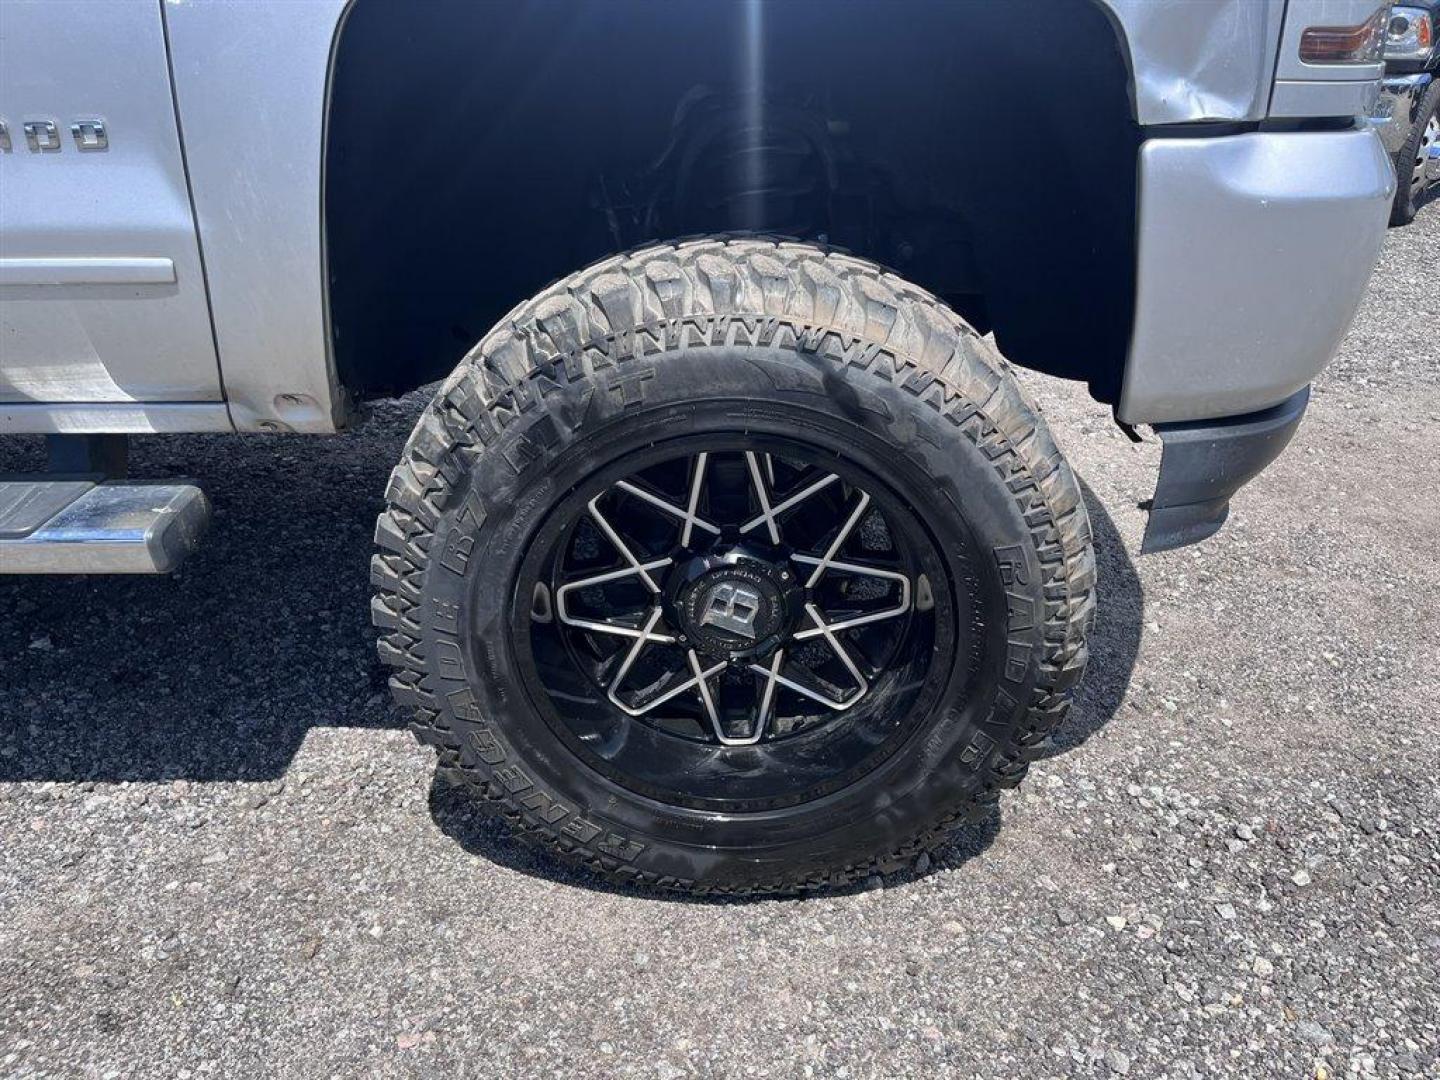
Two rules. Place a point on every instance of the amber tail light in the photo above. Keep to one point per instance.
(1360, 44)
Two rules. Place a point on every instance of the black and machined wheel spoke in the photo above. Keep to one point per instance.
(689, 518)
(624, 549)
(633, 654)
(821, 564)
(771, 675)
(735, 624)
(698, 682)
(769, 515)
(828, 630)
(697, 484)
(776, 678)
(616, 624)
(842, 654)
(701, 679)
(613, 625)
(849, 622)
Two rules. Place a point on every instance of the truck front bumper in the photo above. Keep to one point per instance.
(1253, 253)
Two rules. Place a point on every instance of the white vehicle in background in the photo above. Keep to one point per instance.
(722, 563)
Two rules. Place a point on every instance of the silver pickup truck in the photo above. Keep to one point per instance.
(728, 557)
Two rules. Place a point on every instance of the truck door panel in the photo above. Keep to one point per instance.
(102, 292)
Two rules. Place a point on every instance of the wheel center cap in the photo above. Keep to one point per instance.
(735, 605)
(732, 605)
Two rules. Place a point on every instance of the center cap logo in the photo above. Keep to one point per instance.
(732, 606)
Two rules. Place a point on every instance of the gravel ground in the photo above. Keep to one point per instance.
(225, 857)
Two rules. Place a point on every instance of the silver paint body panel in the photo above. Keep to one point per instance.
(134, 418)
(1249, 269)
(1292, 98)
(251, 81)
(251, 78)
(102, 294)
(1200, 59)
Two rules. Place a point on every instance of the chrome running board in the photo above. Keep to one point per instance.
(81, 527)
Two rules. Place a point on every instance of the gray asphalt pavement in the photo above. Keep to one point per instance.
(223, 856)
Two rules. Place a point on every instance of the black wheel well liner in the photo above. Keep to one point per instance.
(472, 150)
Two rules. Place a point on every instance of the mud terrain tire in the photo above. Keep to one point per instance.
(734, 339)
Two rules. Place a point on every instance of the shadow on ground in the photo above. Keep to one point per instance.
(218, 672)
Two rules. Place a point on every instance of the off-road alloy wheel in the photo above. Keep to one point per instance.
(734, 566)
